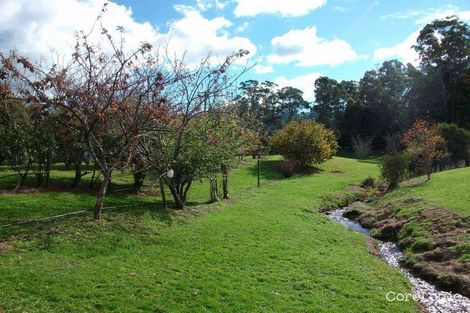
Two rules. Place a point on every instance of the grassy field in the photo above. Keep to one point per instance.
(265, 250)
(448, 189)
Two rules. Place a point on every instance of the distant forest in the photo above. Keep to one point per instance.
(385, 101)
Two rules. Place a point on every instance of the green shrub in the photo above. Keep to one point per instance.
(393, 168)
(306, 142)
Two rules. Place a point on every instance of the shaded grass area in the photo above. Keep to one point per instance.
(265, 250)
(59, 198)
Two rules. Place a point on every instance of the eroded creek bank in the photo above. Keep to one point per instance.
(429, 245)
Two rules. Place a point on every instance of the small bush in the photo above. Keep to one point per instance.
(306, 143)
(287, 168)
(369, 182)
(362, 147)
(393, 168)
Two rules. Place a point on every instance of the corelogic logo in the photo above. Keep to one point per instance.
(404, 297)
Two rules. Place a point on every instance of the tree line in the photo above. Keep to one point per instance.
(369, 113)
(387, 100)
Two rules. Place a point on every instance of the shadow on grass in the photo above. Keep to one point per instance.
(61, 179)
(63, 185)
(268, 169)
(111, 212)
(306, 171)
(371, 160)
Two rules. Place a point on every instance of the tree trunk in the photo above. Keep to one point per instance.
(162, 191)
(186, 189)
(48, 169)
(101, 194)
(224, 181)
(39, 179)
(48, 175)
(176, 197)
(225, 187)
(78, 175)
(214, 192)
(138, 180)
(21, 181)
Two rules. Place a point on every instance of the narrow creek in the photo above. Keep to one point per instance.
(429, 296)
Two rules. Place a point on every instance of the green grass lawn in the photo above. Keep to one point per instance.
(265, 250)
(448, 189)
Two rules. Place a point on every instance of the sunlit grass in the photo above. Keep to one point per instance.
(266, 249)
(448, 189)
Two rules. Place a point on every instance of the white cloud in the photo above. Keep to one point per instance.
(281, 7)
(402, 51)
(197, 36)
(440, 14)
(306, 83)
(205, 5)
(243, 27)
(263, 69)
(426, 16)
(35, 27)
(305, 48)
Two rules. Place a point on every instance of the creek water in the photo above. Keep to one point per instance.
(431, 298)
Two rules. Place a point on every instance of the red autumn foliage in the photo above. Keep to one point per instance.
(422, 141)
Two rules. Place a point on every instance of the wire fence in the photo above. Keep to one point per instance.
(54, 217)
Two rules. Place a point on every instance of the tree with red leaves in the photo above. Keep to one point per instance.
(422, 143)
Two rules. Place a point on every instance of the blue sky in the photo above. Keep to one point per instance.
(365, 25)
(293, 41)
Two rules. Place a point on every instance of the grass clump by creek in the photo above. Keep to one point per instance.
(266, 249)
